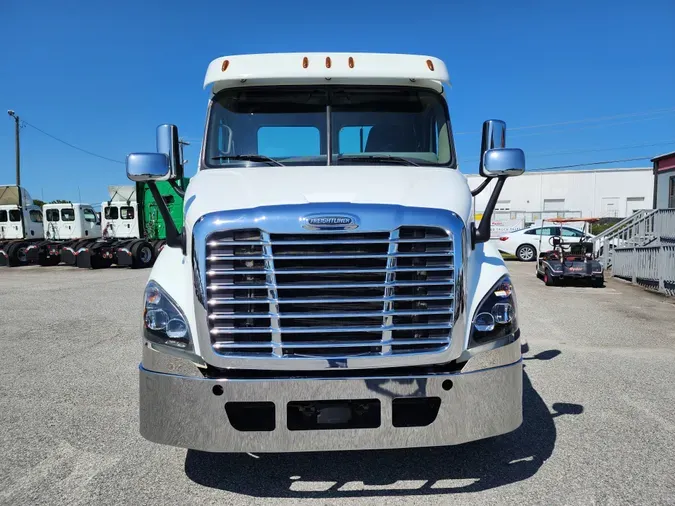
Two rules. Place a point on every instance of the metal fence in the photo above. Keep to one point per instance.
(649, 266)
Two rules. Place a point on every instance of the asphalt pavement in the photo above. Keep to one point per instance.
(599, 408)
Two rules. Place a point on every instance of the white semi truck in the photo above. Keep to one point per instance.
(67, 226)
(20, 225)
(329, 289)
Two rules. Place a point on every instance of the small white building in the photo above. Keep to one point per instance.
(590, 193)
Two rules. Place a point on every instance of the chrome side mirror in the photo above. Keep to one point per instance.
(503, 162)
(145, 167)
(164, 165)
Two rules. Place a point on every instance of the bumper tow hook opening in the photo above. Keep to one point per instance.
(251, 416)
(415, 411)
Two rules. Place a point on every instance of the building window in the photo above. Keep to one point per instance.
(671, 193)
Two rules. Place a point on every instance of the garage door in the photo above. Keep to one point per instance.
(610, 207)
(634, 204)
(553, 208)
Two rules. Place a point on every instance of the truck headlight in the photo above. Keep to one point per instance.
(163, 321)
(496, 314)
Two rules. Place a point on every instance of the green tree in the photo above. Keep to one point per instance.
(38, 202)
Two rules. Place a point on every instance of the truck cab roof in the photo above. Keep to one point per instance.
(326, 68)
(64, 205)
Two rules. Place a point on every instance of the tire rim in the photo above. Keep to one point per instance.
(526, 253)
(146, 255)
(21, 255)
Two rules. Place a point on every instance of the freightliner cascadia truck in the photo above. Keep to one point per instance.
(329, 289)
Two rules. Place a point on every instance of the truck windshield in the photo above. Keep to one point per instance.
(291, 125)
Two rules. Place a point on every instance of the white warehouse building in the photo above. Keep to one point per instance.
(597, 193)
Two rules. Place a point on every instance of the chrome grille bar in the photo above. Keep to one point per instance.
(323, 344)
(215, 316)
(222, 301)
(215, 272)
(213, 244)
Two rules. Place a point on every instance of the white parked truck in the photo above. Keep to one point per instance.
(20, 225)
(133, 232)
(67, 226)
(329, 289)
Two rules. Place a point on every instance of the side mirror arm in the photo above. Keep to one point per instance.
(180, 191)
(173, 237)
(481, 187)
(482, 232)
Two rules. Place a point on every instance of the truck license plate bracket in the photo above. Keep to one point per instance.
(334, 414)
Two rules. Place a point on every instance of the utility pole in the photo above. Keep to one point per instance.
(17, 126)
(18, 148)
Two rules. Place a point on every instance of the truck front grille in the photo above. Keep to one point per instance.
(330, 294)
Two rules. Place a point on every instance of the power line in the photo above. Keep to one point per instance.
(69, 144)
(604, 162)
(586, 120)
(577, 151)
(587, 127)
(597, 119)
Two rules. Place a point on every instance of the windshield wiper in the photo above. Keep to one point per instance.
(376, 159)
(251, 158)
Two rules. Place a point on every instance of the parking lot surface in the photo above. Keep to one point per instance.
(599, 408)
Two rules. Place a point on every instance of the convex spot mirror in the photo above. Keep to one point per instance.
(145, 167)
(503, 162)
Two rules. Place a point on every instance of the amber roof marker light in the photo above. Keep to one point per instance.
(430, 64)
(328, 63)
(224, 66)
(351, 62)
(305, 62)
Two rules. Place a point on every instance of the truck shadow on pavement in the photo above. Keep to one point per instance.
(469, 467)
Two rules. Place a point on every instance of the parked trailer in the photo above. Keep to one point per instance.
(133, 231)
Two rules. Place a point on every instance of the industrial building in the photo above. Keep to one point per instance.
(614, 193)
(664, 181)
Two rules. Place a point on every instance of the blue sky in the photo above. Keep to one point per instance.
(102, 75)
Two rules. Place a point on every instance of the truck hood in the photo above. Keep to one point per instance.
(249, 187)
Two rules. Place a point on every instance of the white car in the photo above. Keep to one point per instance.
(524, 244)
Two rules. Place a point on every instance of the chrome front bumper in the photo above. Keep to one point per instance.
(484, 400)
